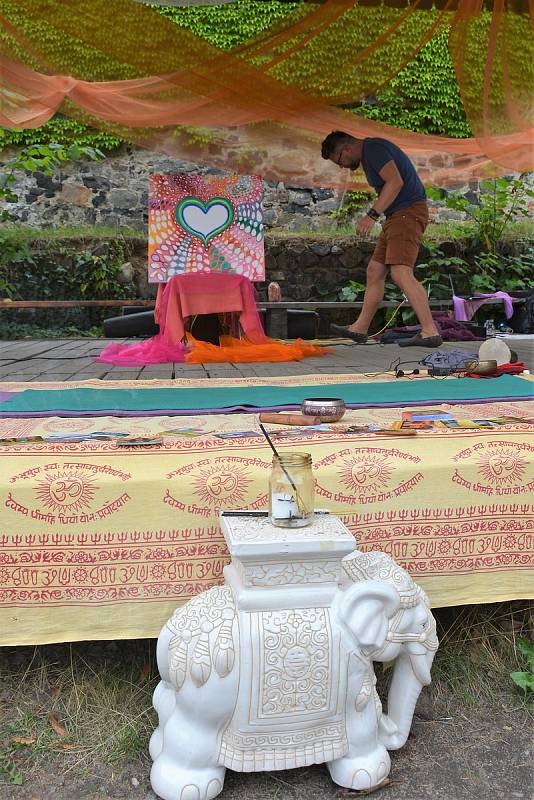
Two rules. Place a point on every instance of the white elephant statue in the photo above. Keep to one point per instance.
(263, 690)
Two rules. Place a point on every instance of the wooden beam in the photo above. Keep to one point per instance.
(73, 303)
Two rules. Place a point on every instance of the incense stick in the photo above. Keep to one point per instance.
(288, 476)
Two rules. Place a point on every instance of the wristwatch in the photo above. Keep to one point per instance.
(374, 214)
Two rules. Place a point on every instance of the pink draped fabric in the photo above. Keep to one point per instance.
(207, 293)
(184, 296)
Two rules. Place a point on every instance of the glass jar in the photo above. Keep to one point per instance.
(291, 490)
(490, 328)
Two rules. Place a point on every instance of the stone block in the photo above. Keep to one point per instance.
(47, 183)
(270, 216)
(300, 198)
(350, 256)
(326, 206)
(123, 199)
(102, 249)
(34, 196)
(126, 273)
(322, 194)
(299, 223)
(75, 195)
(320, 248)
(95, 182)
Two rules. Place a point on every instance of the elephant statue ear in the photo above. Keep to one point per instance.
(366, 609)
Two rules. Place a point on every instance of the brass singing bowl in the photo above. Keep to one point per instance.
(328, 409)
(487, 367)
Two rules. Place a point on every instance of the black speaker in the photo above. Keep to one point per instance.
(134, 309)
(302, 324)
(139, 324)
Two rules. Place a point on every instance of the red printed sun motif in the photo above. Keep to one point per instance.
(221, 483)
(66, 490)
(367, 472)
(501, 466)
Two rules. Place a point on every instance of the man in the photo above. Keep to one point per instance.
(402, 201)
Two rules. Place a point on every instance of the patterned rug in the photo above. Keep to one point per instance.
(99, 542)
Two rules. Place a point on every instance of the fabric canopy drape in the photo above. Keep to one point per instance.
(266, 105)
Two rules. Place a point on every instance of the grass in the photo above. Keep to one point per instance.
(448, 230)
(73, 232)
(478, 651)
(100, 693)
(443, 231)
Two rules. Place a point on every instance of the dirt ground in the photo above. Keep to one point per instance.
(488, 754)
(472, 750)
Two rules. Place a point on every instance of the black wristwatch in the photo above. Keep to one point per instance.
(373, 214)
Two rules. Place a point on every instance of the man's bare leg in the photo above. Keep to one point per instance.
(414, 291)
(374, 294)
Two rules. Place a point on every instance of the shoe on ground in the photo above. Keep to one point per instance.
(359, 338)
(421, 341)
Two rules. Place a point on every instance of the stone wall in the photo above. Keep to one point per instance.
(306, 267)
(114, 193)
(311, 267)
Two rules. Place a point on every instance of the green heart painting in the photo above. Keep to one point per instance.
(205, 223)
(205, 220)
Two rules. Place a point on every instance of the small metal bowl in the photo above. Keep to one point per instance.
(486, 367)
(328, 409)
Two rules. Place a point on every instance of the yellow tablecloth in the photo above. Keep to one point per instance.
(98, 542)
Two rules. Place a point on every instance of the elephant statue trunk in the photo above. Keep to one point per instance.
(411, 673)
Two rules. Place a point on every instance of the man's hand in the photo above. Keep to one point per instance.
(364, 225)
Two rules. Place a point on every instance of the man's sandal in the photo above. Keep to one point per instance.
(359, 338)
(421, 341)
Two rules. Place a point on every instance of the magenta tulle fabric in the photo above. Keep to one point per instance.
(150, 351)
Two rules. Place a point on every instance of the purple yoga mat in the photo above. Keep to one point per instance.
(7, 395)
(193, 412)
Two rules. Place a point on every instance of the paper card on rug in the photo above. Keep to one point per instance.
(422, 416)
(203, 224)
(238, 435)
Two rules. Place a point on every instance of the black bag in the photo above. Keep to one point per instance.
(522, 320)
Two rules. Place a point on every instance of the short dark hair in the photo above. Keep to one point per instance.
(334, 141)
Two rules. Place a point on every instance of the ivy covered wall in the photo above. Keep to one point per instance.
(424, 96)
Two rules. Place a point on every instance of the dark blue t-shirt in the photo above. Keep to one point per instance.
(375, 153)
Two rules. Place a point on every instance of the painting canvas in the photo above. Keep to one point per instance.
(205, 223)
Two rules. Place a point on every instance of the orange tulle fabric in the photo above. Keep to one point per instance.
(243, 351)
(265, 105)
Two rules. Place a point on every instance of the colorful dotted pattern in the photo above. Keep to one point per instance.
(173, 250)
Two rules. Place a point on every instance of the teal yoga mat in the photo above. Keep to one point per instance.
(179, 400)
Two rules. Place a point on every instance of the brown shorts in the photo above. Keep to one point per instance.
(401, 235)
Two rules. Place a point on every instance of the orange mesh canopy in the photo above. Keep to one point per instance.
(265, 105)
